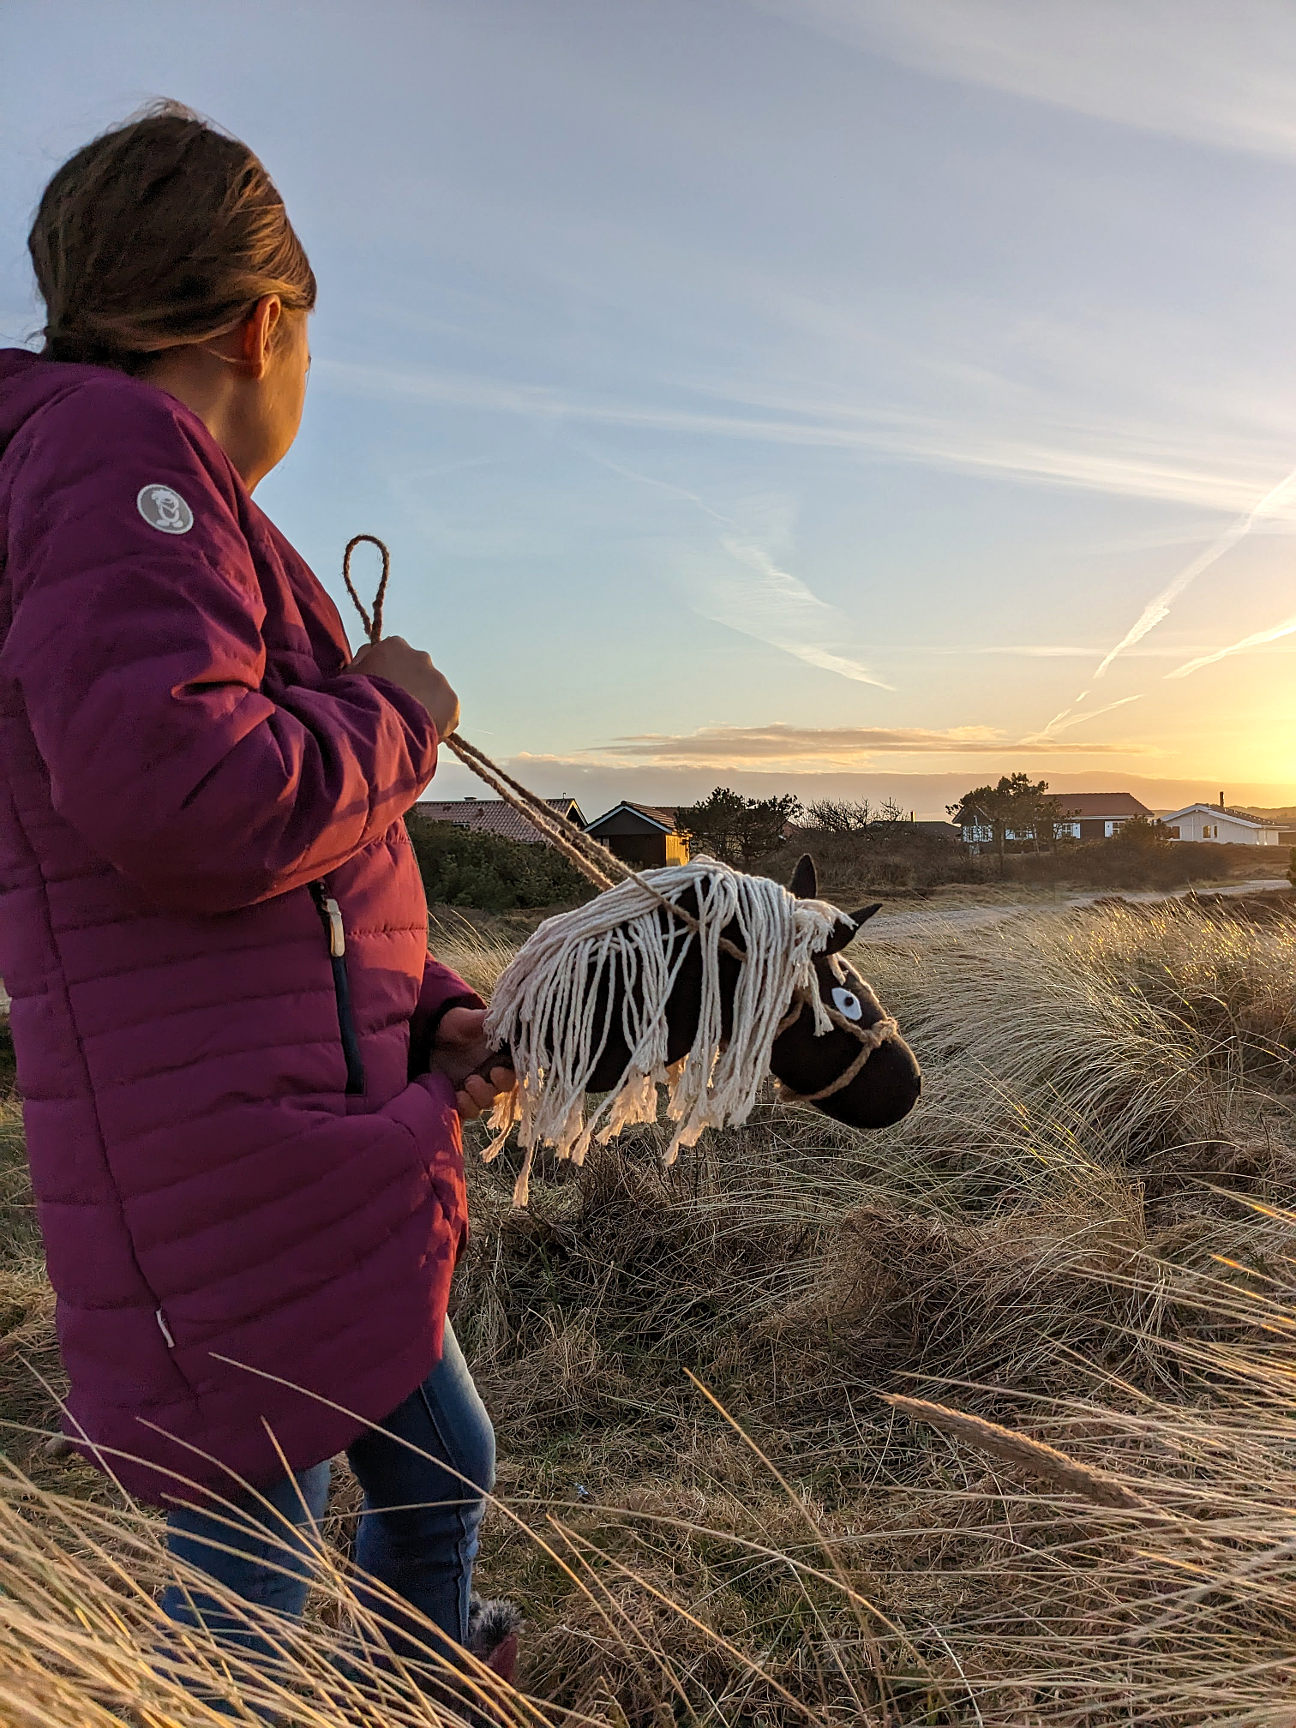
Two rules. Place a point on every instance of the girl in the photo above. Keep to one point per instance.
(243, 1074)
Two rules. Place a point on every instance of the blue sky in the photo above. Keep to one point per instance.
(808, 393)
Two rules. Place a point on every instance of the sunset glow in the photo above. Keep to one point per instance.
(849, 394)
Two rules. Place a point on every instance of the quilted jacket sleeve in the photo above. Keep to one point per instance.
(441, 990)
(140, 660)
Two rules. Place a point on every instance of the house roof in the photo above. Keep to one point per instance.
(660, 817)
(1094, 806)
(947, 830)
(494, 816)
(1245, 816)
(1090, 806)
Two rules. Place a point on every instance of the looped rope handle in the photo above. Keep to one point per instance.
(373, 626)
(593, 861)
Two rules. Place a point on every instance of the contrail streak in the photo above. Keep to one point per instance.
(779, 609)
(1060, 722)
(1157, 609)
(1258, 640)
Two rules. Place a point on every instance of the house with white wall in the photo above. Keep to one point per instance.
(1230, 827)
(1083, 816)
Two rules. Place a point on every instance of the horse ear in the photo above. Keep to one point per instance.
(844, 932)
(805, 878)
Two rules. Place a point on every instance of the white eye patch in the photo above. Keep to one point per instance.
(847, 1003)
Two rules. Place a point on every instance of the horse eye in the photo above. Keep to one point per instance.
(847, 1003)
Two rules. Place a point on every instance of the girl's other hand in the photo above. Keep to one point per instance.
(412, 669)
(461, 1048)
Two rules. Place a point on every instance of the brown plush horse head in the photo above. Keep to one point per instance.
(807, 1063)
(699, 978)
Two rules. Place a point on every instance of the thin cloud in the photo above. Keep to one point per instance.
(1106, 460)
(1058, 718)
(1038, 651)
(1064, 721)
(1257, 640)
(1213, 73)
(752, 595)
(729, 746)
(779, 740)
(764, 601)
(1159, 608)
(625, 472)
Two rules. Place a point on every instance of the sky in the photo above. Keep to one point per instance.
(860, 398)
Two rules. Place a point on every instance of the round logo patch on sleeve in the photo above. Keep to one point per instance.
(164, 509)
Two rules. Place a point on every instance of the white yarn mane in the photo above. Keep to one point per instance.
(544, 1007)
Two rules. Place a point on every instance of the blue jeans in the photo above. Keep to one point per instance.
(417, 1533)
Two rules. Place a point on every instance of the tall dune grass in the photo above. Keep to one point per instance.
(986, 1418)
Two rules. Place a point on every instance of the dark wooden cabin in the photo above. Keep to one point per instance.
(641, 835)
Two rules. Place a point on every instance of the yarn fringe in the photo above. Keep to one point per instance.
(545, 1008)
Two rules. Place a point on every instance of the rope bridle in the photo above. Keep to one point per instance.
(870, 1037)
(595, 862)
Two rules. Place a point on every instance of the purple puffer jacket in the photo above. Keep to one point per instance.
(186, 776)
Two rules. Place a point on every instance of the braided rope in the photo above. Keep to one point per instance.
(870, 1037)
(595, 862)
(373, 626)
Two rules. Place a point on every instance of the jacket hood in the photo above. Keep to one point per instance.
(29, 383)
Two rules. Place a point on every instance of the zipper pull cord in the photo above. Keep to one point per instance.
(331, 918)
(331, 913)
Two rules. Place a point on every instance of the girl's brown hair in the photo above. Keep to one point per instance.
(162, 233)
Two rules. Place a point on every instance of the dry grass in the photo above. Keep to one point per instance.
(999, 1420)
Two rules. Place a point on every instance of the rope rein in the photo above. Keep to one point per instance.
(593, 861)
(605, 871)
(596, 863)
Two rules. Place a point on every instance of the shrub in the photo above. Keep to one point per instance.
(462, 868)
(1140, 854)
(735, 829)
(884, 855)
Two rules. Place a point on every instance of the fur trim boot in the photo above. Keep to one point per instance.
(493, 1627)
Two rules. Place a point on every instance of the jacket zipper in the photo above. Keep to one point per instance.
(331, 918)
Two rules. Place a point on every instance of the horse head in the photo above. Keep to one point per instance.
(726, 977)
(823, 1068)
